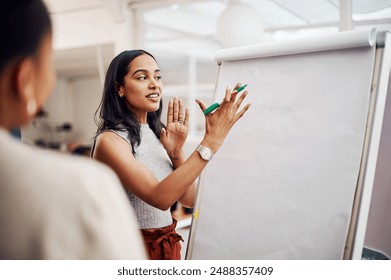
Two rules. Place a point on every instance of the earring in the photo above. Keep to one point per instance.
(31, 107)
(31, 102)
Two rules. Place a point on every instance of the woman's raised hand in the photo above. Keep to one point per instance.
(174, 136)
(220, 122)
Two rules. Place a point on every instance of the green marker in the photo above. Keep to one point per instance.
(216, 105)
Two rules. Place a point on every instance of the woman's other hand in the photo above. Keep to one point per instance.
(173, 137)
(220, 121)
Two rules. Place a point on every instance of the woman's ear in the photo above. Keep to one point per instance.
(24, 86)
(119, 89)
(120, 92)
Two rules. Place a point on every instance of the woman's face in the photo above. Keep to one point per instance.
(142, 87)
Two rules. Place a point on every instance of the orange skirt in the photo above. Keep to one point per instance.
(163, 243)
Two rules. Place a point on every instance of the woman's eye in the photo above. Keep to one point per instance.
(142, 77)
(158, 77)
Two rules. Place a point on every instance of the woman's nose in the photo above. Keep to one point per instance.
(153, 85)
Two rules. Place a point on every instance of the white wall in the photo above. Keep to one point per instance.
(73, 101)
(81, 28)
(95, 26)
(59, 110)
(86, 96)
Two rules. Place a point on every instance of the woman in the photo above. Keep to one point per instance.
(148, 157)
(52, 206)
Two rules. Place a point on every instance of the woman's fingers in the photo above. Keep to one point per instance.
(175, 110)
(240, 100)
(228, 93)
(237, 86)
(180, 113)
(230, 96)
(233, 105)
(170, 112)
(201, 104)
(241, 113)
(187, 115)
(230, 104)
(233, 96)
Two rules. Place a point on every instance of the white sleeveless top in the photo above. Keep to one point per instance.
(153, 156)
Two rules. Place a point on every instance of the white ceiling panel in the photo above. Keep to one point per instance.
(82, 61)
(205, 9)
(181, 20)
(273, 15)
(313, 12)
(189, 27)
(364, 6)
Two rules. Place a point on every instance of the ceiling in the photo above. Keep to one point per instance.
(177, 30)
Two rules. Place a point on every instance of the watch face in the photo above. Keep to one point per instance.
(205, 153)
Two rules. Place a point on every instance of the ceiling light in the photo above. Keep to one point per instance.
(239, 24)
(175, 7)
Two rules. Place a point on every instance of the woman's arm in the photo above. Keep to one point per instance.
(173, 139)
(137, 179)
(140, 181)
(187, 199)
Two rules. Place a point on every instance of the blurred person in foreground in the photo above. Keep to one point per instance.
(52, 206)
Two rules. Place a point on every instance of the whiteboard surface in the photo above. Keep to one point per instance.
(282, 185)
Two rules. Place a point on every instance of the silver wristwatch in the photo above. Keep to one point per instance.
(205, 152)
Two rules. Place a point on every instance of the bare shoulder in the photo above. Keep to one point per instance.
(108, 137)
(110, 142)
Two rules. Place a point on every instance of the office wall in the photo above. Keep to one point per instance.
(86, 96)
(72, 101)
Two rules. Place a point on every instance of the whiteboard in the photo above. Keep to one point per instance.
(282, 186)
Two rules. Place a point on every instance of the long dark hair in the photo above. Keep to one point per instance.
(23, 24)
(113, 111)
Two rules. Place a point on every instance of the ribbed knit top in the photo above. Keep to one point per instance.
(153, 156)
